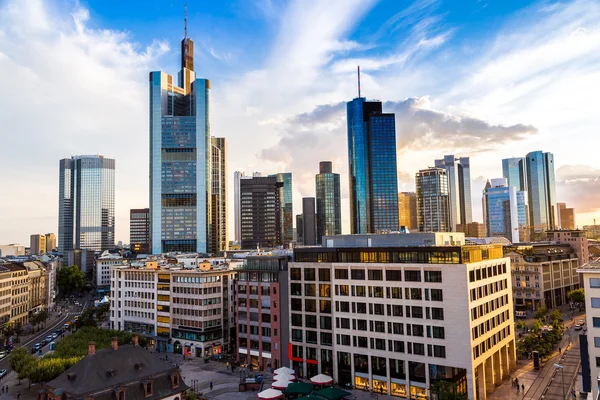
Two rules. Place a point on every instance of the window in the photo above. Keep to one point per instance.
(396, 293)
(391, 275)
(596, 322)
(361, 325)
(121, 395)
(296, 304)
(436, 295)
(439, 351)
(311, 337)
(438, 332)
(309, 274)
(412, 276)
(597, 362)
(375, 275)
(595, 302)
(398, 346)
(297, 320)
(148, 389)
(595, 282)
(324, 275)
(341, 274)
(419, 349)
(417, 330)
(325, 323)
(311, 321)
(437, 313)
(295, 275)
(296, 335)
(433, 276)
(397, 311)
(597, 342)
(417, 312)
(295, 289)
(358, 274)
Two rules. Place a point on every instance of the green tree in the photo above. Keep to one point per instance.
(537, 326)
(442, 390)
(70, 279)
(521, 324)
(556, 315)
(577, 295)
(541, 312)
(43, 317)
(18, 330)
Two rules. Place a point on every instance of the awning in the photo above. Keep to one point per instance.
(333, 393)
(299, 388)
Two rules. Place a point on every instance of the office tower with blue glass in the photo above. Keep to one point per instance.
(287, 209)
(500, 210)
(433, 200)
(86, 204)
(372, 167)
(515, 171)
(180, 159)
(458, 171)
(219, 240)
(329, 209)
(542, 193)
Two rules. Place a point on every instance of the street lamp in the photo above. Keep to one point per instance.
(562, 368)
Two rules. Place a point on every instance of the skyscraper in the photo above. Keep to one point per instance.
(237, 206)
(287, 210)
(433, 203)
(459, 189)
(329, 209)
(50, 242)
(260, 212)
(180, 159)
(500, 210)
(37, 244)
(300, 230)
(542, 193)
(219, 241)
(86, 204)
(372, 167)
(523, 215)
(515, 171)
(566, 216)
(309, 221)
(407, 210)
(139, 230)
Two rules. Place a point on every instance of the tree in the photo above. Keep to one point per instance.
(18, 330)
(42, 317)
(556, 315)
(537, 326)
(541, 312)
(70, 279)
(521, 324)
(443, 390)
(577, 295)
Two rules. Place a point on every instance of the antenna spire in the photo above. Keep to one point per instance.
(359, 81)
(185, 20)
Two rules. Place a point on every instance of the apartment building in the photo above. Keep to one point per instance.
(542, 274)
(590, 343)
(19, 294)
(397, 313)
(102, 273)
(261, 298)
(179, 309)
(5, 295)
(37, 286)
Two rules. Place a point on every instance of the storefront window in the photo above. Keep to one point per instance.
(398, 389)
(361, 383)
(380, 387)
(418, 393)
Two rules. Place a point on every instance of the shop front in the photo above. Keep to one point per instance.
(398, 389)
(361, 381)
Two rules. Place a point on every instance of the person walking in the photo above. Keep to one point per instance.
(211, 385)
(523, 388)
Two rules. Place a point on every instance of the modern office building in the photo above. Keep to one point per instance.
(180, 159)
(261, 295)
(237, 206)
(472, 230)
(458, 171)
(500, 211)
(590, 342)
(372, 167)
(542, 194)
(396, 313)
(566, 216)
(514, 170)
(37, 244)
(329, 201)
(300, 230)
(102, 275)
(260, 212)
(287, 209)
(523, 216)
(542, 274)
(139, 230)
(50, 242)
(407, 211)
(309, 222)
(433, 203)
(86, 204)
(219, 241)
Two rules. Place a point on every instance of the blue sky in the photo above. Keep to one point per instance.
(485, 79)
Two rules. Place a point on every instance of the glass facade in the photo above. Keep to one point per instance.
(372, 167)
(260, 212)
(459, 189)
(329, 212)
(523, 215)
(541, 193)
(86, 203)
(433, 202)
(219, 240)
(180, 160)
(287, 210)
(500, 211)
(139, 230)
(515, 171)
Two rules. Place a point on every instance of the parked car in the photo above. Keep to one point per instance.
(578, 327)
(37, 346)
(3, 354)
(3, 372)
(581, 322)
(49, 339)
(54, 335)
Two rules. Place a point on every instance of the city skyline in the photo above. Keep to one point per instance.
(469, 118)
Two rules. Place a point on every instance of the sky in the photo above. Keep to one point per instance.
(479, 78)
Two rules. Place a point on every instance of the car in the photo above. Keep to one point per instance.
(581, 322)
(37, 346)
(49, 338)
(3, 372)
(54, 335)
(3, 354)
(578, 327)
(66, 327)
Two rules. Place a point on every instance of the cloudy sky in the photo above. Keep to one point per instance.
(480, 78)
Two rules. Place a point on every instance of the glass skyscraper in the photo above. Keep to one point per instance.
(433, 200)
(287, 210)
(500, 210)
(372, 167)
(86, 205)
(523, 215)
(542, 193)
(180, 159)
(218, 240)
(459, 189)
(329, 211)
(515, 171)
(260, 212)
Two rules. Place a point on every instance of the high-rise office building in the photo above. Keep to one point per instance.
(523, 215)
(500, 210)
(433, 203)
(86, 204)
(219, 241)
(139, 230)
(542, 193)
(372, 167)
(287, 210)
(260, 212)
(180, 159)
(50, 242)
(407, 210)
(566, 216)
(300, 230)
(459, 189)
(515, 171)
(309, 221)
(37, 244)
(237, 206)
(329, 208)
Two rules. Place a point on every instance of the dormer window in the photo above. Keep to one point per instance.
(120, 394)
(175, 379)
(147, 388)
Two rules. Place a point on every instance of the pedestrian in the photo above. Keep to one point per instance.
(559, 350)
(523, 388)
(211, 385)
(18, 395)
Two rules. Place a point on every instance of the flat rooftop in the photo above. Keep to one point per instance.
(395, 239)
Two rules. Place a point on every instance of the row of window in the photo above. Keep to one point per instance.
(361, 274)
(486, 272)
(489, 289)
(196, 302)
(396, 346)
(196, 290)
(490, 342)
(487, 307)
(490, 324)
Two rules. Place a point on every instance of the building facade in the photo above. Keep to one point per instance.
(514, 170)
(287, 209)
(329, 201)
(180, 159)
(103, 265)
(219, 195)
(300, 230)
(397, 318)
(12, 249)
(50, 242)
(309, 222)
(372, 167)
(260, 212)
(566, 216)
(37, 244)
(86, 204)
(84, 259)
(139, 230)
(542, 193)
(37, 286)
(500, 211)
(472, 230)
(590, 342)
(458, 172)
(5, 297)
(19, 312)
(433, 202)
(407, 211)
(261, 298)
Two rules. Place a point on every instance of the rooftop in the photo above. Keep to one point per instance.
(396, 239)
(591, 267)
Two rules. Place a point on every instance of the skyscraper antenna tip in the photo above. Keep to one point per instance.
(358, 69)
(185, 35)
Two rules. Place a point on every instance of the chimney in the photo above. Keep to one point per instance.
(115, 343)
(91, 348)
(134, 339)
